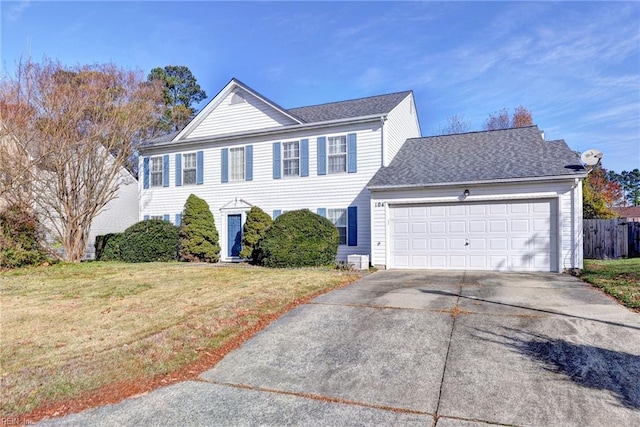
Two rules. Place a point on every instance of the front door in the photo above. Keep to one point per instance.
(234, 235)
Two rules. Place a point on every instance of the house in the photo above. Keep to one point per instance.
(17, 187)
(631, 213)
(363, 165)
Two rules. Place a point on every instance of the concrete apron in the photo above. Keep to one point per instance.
(424, 348)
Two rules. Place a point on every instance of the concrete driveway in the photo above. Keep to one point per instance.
(427, 348)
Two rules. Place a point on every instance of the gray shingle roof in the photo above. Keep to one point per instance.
(478, 156)
(163, 138)
(381, 104)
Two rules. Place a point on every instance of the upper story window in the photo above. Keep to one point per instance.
(189, 169)
(236, 164)
(291, 158)
(337, 154)
(339, 218)
(156, 171)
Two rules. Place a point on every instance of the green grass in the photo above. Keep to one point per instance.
(68, 329)
(619, 278)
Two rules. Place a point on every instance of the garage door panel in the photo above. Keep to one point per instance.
(436, 227)
(509, 236)
(457, 226)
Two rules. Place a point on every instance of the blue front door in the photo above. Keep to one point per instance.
(234, 235)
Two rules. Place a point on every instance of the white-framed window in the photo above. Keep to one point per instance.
(236, 164)
(291, 158)
(337, 154)
(339, 218)
(156, 217)
(156, 171)
(189, 169)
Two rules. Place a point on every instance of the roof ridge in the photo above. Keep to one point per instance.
(354, 99)
(474, 131)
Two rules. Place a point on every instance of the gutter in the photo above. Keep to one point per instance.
(488, 181)
(265, 132)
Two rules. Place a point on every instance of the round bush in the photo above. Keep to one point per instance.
(300, 239)
(150, 240)
(108, 247)
(19, 238)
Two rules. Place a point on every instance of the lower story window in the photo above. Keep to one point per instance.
(339, 218)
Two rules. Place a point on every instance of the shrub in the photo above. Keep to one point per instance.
(150, 240)
(198, 233)
(19, 238)
(300, 239)
(255, 227)
(108, 247)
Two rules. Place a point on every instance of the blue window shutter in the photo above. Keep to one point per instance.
(276, 161)
(146, 217)
(352, 226)
(248, 159)
(165, 170)
(167, 217)
(304, 157)
(178, 170)
(178, 219)
(322, 155)
(199, 167)
(322, 212)
(225, 165)
(352, 152)
(276, 213)
(145, 172)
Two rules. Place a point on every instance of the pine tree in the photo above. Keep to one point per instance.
(198, 233)
(255, 227)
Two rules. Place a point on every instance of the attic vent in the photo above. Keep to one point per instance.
(237, 98)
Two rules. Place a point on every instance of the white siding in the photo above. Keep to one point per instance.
(312, 192)
(402, 123)
(569, 211)
(253, 114)
(117, 215)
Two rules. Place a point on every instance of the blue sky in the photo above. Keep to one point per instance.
(575, 65)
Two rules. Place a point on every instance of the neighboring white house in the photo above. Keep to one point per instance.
(119, 214)
(338, 160)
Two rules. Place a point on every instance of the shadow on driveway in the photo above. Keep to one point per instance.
(586, 365)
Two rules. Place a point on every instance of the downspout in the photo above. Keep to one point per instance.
(383, 141)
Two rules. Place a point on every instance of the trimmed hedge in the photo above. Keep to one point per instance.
(108, 247)
(300, 239)
(255, 227)
(19, 238)
(198, 233)
(150, 240)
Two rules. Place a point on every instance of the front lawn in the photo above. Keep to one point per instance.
(620, 278)
(74, 329)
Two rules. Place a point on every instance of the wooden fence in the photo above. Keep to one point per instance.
(611, 238)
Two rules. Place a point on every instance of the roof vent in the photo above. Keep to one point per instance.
(542, 134)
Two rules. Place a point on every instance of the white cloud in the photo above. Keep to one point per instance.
(15, 11)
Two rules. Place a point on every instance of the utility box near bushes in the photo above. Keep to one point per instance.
(359, 262)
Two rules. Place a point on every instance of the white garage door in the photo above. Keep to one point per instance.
(506, 236)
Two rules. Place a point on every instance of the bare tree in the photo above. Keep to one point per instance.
(455, 124)
(501, 120)
(81, 126)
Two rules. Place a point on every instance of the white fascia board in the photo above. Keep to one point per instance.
(472, 183)
(264, 132)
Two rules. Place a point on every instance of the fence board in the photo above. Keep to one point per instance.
(633, 236)
(607, 238)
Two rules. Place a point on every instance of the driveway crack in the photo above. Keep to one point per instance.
(454, 314)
